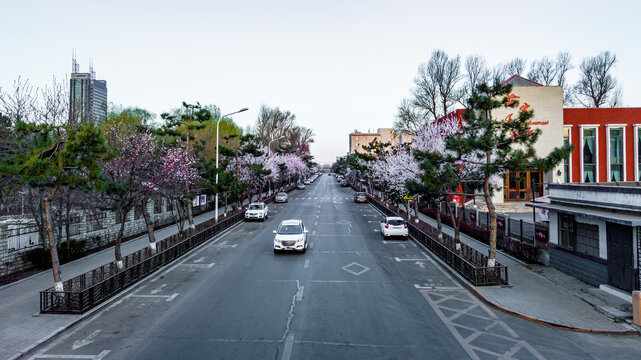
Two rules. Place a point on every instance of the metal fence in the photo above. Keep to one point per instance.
(88, 290)
(470, 263)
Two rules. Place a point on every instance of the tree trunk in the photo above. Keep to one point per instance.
(455, 225)
(55, 262)
(439, 223)
(190, 216)
(491, 261)
(417, 219)
(150, 225)
(117, 252)
(226, 195)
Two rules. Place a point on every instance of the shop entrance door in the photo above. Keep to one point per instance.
(620, 266)
(519, 185)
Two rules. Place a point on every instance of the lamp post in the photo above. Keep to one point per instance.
(269, 148)
(217, 130)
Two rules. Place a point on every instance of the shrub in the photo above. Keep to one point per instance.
(39, 258)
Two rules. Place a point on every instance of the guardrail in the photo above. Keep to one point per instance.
(469, 262)
(84, 292)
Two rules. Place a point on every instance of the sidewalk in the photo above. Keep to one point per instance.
(555, 300)
(22, 324)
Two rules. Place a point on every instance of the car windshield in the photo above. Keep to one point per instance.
(290, 229)
(255, 207)
(395, 221)
(360, 194)
(281, 194)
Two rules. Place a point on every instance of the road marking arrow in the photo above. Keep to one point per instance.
(159, 289)
(86, 341)
(420, 264)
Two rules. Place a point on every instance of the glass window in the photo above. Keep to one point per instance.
(389, 131)
(290, 229)
(357, 138)
(616, 154)
(566, 161)
(566, 231)
(589, 155)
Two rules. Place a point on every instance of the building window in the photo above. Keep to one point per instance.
(357, 138)
(566, 161)
(389, 131)
(587, 239)
(356, 144)
(638, 146)
(616, 154)
(566, 231)
(589, 155)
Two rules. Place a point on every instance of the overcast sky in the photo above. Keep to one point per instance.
(338, 65)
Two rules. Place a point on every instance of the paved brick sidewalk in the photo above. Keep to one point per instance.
(532, 296)
(22, 324)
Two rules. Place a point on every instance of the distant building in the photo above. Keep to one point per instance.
(382, 135)
(87, 96)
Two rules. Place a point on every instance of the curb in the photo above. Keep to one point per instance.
(97, 309)
(473, 290)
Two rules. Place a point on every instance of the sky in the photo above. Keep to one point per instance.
(338, 65)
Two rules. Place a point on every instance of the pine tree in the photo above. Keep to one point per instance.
(497, 146)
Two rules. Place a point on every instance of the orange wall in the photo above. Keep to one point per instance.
(601, 117)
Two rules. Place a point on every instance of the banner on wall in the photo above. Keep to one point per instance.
(196, 201)
(203, 199)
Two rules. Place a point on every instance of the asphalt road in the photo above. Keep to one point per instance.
(351, 296)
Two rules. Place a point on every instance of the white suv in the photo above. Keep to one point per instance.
(257, 210)
(291, 235)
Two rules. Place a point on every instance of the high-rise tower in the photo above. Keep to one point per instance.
(87, 96)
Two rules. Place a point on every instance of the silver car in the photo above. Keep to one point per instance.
(281, 197)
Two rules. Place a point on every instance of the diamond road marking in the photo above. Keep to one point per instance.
(363, 268)
(343, 222)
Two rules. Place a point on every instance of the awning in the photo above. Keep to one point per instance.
(591, 213)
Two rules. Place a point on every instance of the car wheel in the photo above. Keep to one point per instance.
(304, 250)
(276, 251)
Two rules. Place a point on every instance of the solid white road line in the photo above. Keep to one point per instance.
(306, 264)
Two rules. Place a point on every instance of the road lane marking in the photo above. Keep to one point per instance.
(86, 341)
(311, 246)
(299, 296)
(158, 289)
(306, 264)
(316, 223)
(289, 345)
(62, 356)
(200, 260)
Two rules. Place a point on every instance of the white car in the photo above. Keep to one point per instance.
(394, 226)
(257, 210)
(291, 235)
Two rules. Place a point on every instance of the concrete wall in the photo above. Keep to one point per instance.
(592, 272)
(11, 261)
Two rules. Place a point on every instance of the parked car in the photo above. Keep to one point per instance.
(281, 197)
(300, 186)
(394, 226)
(257, 210)
(344, 183)
(360, 197)
(307, 182)
(291, 235)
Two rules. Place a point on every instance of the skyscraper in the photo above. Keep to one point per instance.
(87, 96)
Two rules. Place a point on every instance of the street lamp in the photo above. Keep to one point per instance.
(269, 148)
(217, 128)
